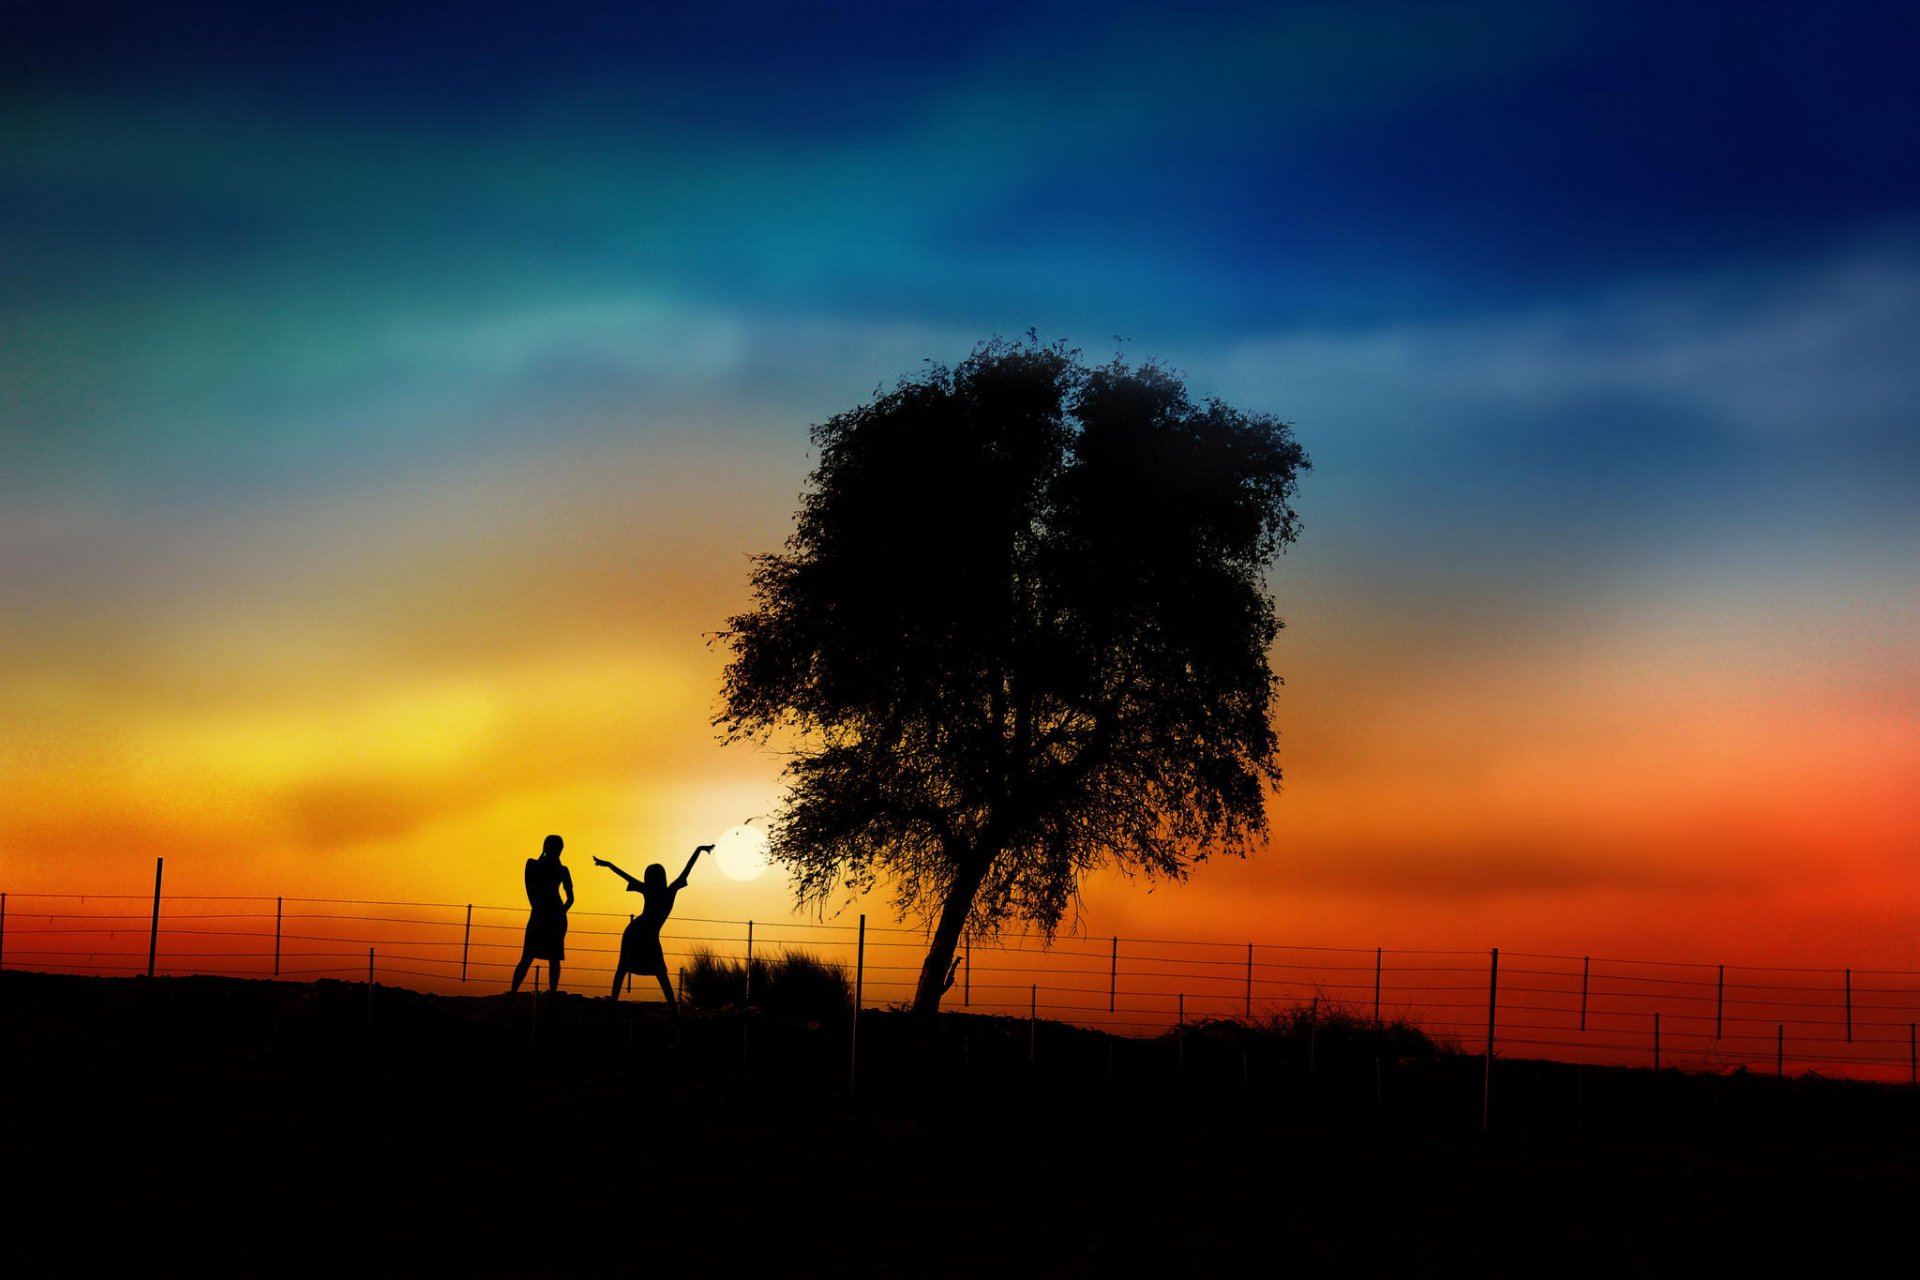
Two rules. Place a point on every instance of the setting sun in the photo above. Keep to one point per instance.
(741, 852)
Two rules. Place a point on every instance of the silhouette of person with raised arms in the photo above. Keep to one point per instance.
(546, 936)
(640, 944)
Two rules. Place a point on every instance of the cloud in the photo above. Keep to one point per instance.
(320, 768)
(1443, 871)
(1775, 356)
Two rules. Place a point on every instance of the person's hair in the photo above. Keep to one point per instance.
(551, 849)
(656, 875)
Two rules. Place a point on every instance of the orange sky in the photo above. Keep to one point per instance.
(396, 691)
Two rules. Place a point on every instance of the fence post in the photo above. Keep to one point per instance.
(1376, 988)
(1849, 974)
(1586, 965)
(1779, 1049)
(1719, 1000)
(279, 905)
(1113, 971)
(966, 980)
(536, 989)
(1180, 1041)
(466, 943)
(153, 935)
(747, 997)
(1249, 1009)
(1033, 1009)
(3, 930)
(1913, 1060)
(1313, 1035)
(1656, 1042)
(859, 982)
(1493, 1004)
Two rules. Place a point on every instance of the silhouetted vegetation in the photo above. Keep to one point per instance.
(793, 984)
(1339, 1033)
(1022, 630)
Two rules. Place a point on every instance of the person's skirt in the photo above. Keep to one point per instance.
(640, 949)
(546, 936)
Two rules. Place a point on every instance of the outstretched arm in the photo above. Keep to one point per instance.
(681, 883)
(631, 882)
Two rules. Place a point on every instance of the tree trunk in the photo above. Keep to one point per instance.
(946, 933)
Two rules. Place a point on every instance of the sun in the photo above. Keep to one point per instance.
(741, 852)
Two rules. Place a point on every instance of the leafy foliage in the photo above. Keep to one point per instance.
(1021, 630)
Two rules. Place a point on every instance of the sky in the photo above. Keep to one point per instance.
(390, 403)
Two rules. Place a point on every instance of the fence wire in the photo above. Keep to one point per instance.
(1607, 1010)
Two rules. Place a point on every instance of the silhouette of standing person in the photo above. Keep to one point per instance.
(640, 944)
(547, 920)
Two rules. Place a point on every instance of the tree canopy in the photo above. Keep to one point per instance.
(1020, 631)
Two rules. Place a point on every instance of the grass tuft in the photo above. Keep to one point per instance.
(793, 984)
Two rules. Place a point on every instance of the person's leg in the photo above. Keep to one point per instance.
(666, 988)
(553, 976)
(619, 976)
(520, 973)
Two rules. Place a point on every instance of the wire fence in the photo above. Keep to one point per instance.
(1840, 1021)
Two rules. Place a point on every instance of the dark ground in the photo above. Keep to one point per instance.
(215, 1126)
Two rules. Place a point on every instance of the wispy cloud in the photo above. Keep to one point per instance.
(1772, 355)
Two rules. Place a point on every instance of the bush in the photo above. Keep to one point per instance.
(1339, 1031)
(709, 982)
(791, 984)
(1323, 1032)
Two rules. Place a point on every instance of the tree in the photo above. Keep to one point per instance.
(1020, 631)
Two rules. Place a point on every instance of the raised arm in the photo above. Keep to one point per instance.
(632, 884)
(681, 883)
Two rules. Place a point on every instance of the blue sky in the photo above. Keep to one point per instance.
(219, 209)
(1181, 178)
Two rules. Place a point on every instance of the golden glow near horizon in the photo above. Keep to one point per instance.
(399, 692)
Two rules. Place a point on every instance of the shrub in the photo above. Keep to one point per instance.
(1341, 1031)
(708, 981)
(792, 984)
